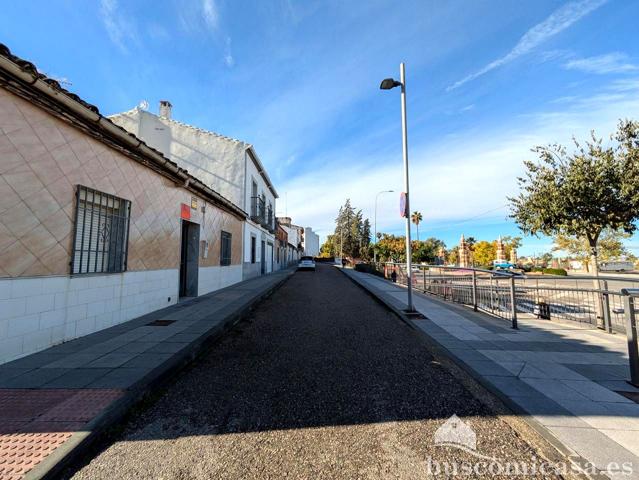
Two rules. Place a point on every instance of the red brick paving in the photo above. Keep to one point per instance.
(33, 423)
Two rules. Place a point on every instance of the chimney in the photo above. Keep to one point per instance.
(165, 109)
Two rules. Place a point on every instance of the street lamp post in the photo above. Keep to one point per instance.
(388, 84)
(375, 249)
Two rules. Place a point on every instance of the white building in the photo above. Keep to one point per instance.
(96, 228)
(311, 242)
(295, 238)
(228, 166)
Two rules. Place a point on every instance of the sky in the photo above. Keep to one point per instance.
(299, 80)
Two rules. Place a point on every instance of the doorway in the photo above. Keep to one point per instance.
(189, 259)
(269, 257)
(262, 258)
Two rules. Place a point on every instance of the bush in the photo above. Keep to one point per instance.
(555, 271)
(368, 268)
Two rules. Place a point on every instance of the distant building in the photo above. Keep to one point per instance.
(311, 242)
(227, 165)
(295, 235)
(500, 255)
(464, 253)
(513, 256)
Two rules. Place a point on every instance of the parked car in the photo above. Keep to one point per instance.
(306, 263)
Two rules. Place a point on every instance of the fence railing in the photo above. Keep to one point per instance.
(592, 300)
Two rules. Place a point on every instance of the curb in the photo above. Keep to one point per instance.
(439, 351)
(80, 442)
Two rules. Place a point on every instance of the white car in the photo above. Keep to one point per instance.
(306, 263)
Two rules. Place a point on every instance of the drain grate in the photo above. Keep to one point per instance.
(160, 323)
(415, 315)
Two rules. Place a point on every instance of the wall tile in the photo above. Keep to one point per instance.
(23, 325)
(16, 259)
(41, 303)
(52, 318)
(18, 220)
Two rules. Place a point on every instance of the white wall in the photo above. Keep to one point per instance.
(252, 174)
(214, 278)
(216, 160)
(36, 313)
(311, 242)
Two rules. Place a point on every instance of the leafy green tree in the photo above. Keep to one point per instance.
(452, 256)
(352, 233)
(328, 248)
(583, 193)
(484, 253)
(426, 251)
(509, 243)
(610, 246)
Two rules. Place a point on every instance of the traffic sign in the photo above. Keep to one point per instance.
(402, 205)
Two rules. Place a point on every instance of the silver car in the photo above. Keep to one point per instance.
(306, 263)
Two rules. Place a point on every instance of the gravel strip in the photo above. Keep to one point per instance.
(320, 382)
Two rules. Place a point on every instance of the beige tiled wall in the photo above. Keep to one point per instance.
(42, 159)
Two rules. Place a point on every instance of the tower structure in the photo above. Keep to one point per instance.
(501, 253)
(464, 253)
(513, 256)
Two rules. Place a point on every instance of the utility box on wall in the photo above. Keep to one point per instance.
(204, 248)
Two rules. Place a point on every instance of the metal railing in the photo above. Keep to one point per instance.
(630, 299)
(258, 210)
(597, 301)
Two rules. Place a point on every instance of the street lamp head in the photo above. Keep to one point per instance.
(389, 83)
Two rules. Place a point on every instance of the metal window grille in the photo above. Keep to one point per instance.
(225, 249)
(100, 242)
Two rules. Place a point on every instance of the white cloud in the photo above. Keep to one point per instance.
(211, 14)
(558, 21)
(609, 63)
(462, 175)
(121, 30)
(228, 56)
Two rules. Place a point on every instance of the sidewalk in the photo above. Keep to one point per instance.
(55, 402)
(569, 380)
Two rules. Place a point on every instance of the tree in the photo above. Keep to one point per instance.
(484, 253)
(352, 235)
(452, 256)
(583, 193)
(328, 248)
(509, 243)
(416, 217)
(391, 248)
(610, 246)
(427, 250)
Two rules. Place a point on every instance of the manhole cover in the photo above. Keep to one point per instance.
(160, 323)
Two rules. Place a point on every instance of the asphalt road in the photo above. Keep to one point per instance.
(321, 382)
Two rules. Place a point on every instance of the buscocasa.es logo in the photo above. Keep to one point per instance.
(456, 433)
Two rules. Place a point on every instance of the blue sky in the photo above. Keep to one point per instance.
(300, 80)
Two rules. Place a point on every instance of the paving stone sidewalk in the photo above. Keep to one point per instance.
(569, 379)
(53, 403)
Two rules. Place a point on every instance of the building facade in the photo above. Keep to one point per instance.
(311, 242)
(295, 236)
(228, 166)
(96, 228)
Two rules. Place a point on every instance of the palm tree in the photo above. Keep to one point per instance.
(416, 217)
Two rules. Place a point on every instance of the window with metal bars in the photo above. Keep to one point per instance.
(100, 242)
(225, 249)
